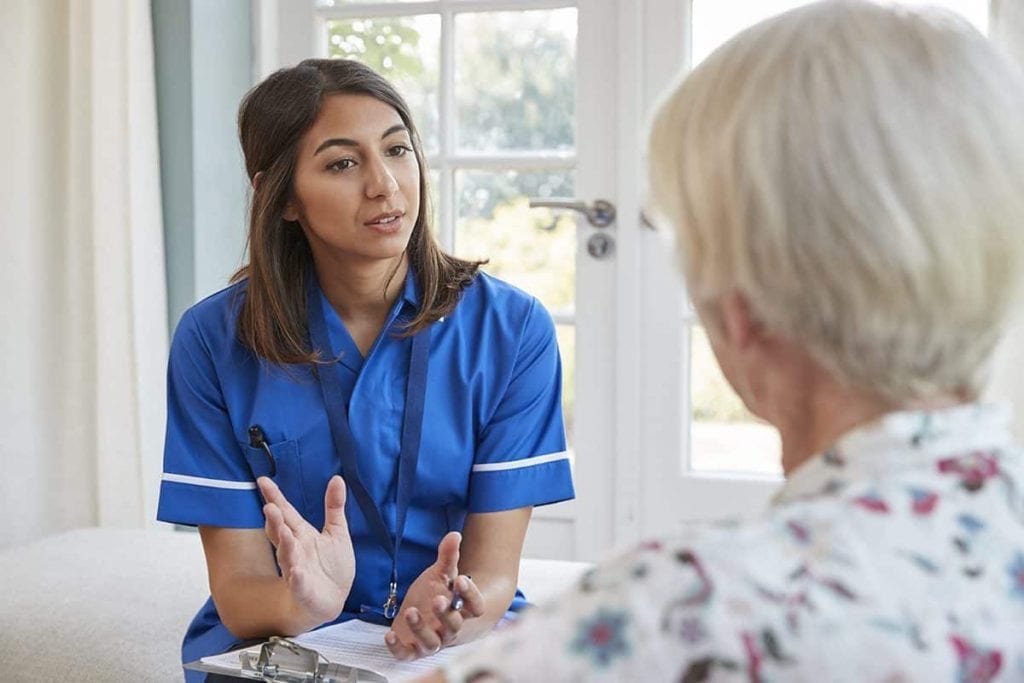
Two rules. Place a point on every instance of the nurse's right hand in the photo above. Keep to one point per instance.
(317, 566)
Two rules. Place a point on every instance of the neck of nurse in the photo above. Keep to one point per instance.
(362, 291)
(825, 409)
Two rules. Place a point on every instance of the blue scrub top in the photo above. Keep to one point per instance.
(493, 437)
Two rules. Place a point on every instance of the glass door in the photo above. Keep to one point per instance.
(511, 98)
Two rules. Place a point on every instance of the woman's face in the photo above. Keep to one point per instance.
(356, 188)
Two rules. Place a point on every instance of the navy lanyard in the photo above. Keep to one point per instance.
(345, 443)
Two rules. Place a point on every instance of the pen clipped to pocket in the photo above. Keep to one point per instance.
(280, 460)
(258, 441)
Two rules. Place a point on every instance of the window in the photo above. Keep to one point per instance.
(724, 436)
(493, 93)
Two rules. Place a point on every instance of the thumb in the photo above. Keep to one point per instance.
(448, 554)
(334, 504)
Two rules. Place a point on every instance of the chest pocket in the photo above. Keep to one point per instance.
(288, 471)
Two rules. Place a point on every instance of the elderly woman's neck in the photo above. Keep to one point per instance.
(826, 410)
(818, 418)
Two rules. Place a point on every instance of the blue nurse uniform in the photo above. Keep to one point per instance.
(492, 438)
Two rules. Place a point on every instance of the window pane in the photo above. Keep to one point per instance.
(567, 347)
(724, 436)
(715, 21)
(533, 249)
(407, 51)
(515, 84)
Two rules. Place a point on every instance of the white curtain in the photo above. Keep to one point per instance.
(82, 289)
(1007, 30)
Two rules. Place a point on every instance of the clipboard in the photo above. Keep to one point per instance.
(283, 661)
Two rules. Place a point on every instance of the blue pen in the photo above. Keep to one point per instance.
(457, 601)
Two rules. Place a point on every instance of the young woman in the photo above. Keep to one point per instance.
(386, 415)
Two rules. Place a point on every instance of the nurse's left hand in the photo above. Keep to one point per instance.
(428, 620)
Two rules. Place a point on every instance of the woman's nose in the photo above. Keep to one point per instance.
(381, 183)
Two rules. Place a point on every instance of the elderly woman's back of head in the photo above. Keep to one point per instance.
(857, 174)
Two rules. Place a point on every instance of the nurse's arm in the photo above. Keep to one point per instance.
(253, 601)
(492, 545)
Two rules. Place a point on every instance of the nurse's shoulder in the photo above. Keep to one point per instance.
(494, 303)
(209, 327)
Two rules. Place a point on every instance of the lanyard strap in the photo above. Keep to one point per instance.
(345, 443)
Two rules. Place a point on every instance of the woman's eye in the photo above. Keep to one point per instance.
(341, 165)
(399, 150)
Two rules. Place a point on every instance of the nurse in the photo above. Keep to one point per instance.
(361, 424)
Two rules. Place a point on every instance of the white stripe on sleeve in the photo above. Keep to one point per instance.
(519, 464)
(209, 483)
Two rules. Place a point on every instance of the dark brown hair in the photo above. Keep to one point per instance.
(272, 119)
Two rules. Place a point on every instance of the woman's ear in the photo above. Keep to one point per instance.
(290, 213)
(738, 323)
(743, 349)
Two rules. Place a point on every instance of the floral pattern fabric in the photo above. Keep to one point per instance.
(896, 555)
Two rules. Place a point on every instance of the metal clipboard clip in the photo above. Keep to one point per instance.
(283, 661)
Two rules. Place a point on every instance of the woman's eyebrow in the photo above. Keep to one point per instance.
(335, 142)
(348, 142)
(397, 128)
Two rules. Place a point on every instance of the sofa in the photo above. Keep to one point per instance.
(112, 604)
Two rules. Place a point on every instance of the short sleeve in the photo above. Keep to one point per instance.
(521, 458)
(206, 478)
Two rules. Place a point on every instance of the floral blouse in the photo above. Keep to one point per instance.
(896, 555)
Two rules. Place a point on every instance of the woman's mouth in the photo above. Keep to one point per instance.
(385, 222)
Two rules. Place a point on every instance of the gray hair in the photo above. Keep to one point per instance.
(856, 172)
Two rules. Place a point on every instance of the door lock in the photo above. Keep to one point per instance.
(600, 245)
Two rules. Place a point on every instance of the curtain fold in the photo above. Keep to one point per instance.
(82, 287)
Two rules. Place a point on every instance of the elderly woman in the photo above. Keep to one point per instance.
(847, 185)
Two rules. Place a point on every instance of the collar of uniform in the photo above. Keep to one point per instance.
(411, 290)
(342, 346)
(899, 441)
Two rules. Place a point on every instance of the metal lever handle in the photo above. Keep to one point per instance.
(600, 214)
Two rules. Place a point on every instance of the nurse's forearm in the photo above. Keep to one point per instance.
(491, 547)
(263, 606)
(498, 590)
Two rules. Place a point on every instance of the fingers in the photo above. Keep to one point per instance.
(272, 494)
(472, 598)
(399, 651)
(450, 618)
(334, 506)
(287, 546)
(425, 641)
(273, 524)
(448, 554)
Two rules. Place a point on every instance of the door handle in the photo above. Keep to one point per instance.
(600, 214)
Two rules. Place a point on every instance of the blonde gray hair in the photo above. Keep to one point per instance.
(856, 172)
